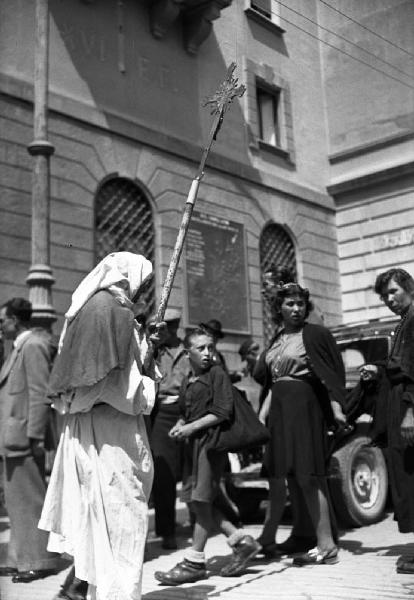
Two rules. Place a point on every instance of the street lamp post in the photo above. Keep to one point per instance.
(40, 279)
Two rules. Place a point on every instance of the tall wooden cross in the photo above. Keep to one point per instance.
(220, 101)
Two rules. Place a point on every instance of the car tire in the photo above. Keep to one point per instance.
(358, 482)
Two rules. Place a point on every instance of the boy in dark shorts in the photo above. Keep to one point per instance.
(206, 401)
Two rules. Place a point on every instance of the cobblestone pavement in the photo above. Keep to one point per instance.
(366, 571)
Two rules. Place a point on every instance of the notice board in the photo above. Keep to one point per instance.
(215, 267)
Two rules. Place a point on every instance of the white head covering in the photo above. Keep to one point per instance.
(116, 268)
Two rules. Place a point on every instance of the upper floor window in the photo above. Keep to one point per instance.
(269, 112)
(268, 108)
(267, 8)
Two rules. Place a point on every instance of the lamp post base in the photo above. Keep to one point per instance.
(40, 281)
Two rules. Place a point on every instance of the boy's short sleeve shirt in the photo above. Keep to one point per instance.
(210, 393)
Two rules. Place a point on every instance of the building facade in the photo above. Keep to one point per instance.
(370, 110)
(127, 84)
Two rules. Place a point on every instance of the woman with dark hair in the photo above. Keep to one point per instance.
(273, 278)
(394, 412)
(304, 370)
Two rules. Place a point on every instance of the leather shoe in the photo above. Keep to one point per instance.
(28, 576)
(6, 571)
(243, 551)
(72, 588)
(71, 595)
(183, 572)
(317, 557)
(405, 565)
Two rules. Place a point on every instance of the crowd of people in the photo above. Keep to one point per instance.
(139, 408)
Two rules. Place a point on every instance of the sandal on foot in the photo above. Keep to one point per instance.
(317, 557)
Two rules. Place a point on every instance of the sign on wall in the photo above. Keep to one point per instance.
(404, 237)
(216, 281)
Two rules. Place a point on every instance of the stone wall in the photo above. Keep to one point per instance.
(142, 139)
(375, 233)
(85, 156)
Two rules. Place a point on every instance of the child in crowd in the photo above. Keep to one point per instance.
(206, 401)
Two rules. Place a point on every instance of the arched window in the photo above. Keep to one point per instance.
(276, 247)
(124, 222)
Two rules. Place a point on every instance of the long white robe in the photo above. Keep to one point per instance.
(96, 506)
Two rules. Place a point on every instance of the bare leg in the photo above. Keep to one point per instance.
(244, 547)
(224, 504)
(316, 499)
(193, 567)
(204, 523)
(224, 524)
(208, 517)
(274, 510)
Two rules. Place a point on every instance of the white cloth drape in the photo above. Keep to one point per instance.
(96, 505)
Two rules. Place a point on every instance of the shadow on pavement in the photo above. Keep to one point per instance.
(357, 547)
(215, 563)
(410, 589)
(195, 592)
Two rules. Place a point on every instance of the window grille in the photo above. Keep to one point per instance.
(276, 248)
(124, 222)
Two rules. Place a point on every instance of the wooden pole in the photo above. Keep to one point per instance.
(40, 277)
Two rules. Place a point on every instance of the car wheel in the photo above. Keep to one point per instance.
(358, 482)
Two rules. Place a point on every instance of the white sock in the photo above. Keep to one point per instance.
(195, 556)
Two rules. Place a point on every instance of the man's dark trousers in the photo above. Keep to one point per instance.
(166, 453)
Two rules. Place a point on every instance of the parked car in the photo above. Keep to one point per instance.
(358, 477)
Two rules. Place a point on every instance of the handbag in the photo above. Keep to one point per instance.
(243, 430)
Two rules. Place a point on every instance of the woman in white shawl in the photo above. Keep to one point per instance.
(96, 503)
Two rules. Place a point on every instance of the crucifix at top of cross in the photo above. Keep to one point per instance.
(220, 101)
(224, 96)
